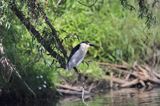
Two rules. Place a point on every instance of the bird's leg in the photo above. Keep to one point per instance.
(76, 70)
(78, 74)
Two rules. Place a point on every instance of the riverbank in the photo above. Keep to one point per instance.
(117, 76)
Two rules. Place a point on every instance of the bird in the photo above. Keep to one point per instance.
(77, 54)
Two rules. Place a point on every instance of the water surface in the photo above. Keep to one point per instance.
(123, 97)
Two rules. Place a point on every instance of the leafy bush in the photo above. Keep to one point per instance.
(119, 33)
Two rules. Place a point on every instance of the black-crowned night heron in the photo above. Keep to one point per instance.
(77, 54)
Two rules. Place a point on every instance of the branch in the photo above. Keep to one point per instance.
(71, 88)
(57, 40)
(54, 33)
(69, 92)
(7, 70)
(36, 34)
(130, 83)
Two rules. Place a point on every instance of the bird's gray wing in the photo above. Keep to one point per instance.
(76, 59)
(74, 51)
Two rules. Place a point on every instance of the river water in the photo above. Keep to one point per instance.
(122, 97)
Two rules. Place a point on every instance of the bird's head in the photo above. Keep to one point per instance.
(86, 44)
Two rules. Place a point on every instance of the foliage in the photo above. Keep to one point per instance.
(119, 34)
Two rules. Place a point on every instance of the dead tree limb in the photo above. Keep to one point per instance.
(71, 88)
(137, 74)
(56, 39)
(69, 92)
(8, 69)
(129, 83)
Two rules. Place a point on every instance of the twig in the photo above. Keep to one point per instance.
(154, 80)
(111, 81)
(91, 87)
(8, 69)
(128, 75)
(59, 1)
(156, 74)
(146, 74)
(83, 92)
(142, 83)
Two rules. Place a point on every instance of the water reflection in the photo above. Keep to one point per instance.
(122, 97)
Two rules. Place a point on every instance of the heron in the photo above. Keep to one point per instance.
(77, 54)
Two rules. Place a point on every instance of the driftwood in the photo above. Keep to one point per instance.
(137, 74)
(69, 89)
(121, 76)
(72, 90)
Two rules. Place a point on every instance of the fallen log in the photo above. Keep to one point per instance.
(155, 80)
(73, 88)
(129, 83)
(138, 74)
(119, 76)
(69, 92)
(156, 74)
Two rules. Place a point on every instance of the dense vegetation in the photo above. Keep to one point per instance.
(123, 35)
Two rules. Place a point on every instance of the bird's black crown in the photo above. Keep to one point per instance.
(87, 42)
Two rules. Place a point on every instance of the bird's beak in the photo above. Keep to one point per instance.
(90, 44)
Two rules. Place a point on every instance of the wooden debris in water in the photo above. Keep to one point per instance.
(70, 90)
(135, 75)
